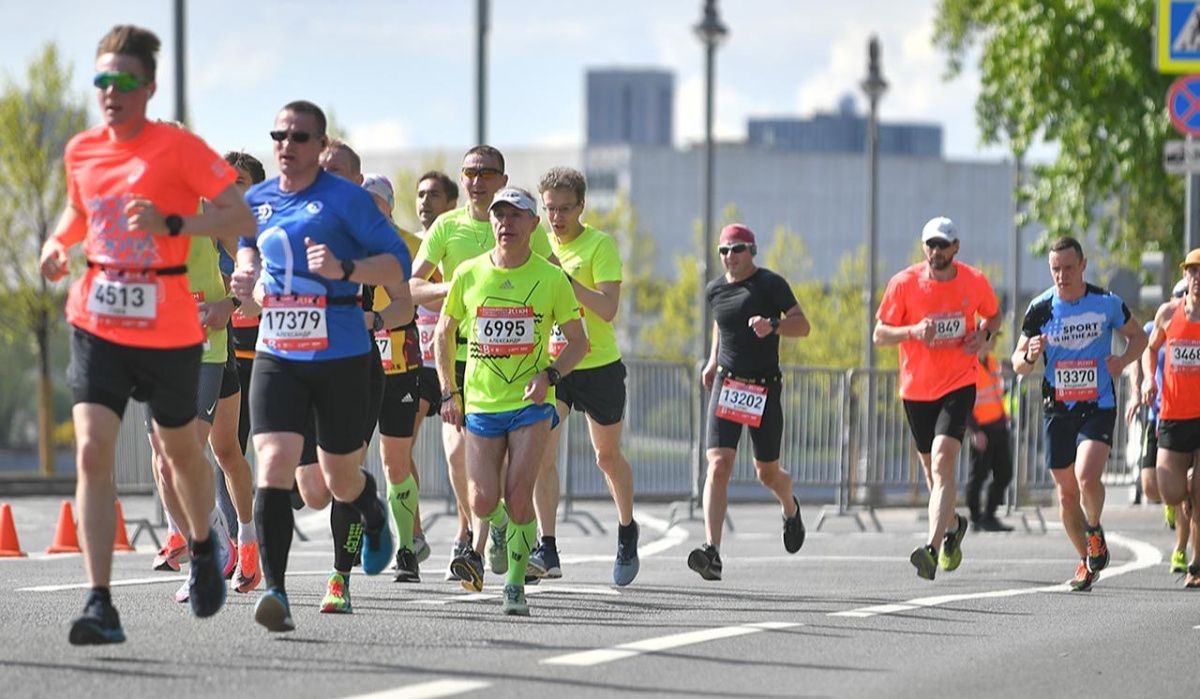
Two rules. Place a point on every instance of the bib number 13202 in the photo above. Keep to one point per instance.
(742, 402)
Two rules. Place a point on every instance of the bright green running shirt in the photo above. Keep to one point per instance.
(590, 259)
(456, 237)
(506, 315)
(207, 286)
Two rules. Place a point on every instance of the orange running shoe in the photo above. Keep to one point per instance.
(1084, 577)
(172, 553)
(249, 574)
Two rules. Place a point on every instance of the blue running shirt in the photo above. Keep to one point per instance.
(1154, 407)
(316, 318)
(1078, 340)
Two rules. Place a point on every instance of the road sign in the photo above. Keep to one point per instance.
(1178, 49)
(1183, 104)
(1181, 157)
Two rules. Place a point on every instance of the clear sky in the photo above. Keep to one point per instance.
(400, 73)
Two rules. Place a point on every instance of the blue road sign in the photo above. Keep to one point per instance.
(1178, 49)
(1183, 103)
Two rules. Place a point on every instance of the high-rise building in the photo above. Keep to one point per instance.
(843, 132)
(630, 106)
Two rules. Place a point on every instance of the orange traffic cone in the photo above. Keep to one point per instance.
(121, 540)
(10, 546)
(65, 539)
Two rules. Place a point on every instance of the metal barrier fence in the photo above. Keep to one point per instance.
(845, 442)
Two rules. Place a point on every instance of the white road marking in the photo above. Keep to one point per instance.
(653, 645)
(529, 590)
(426, 690)
(114, 583)
(1144, 556)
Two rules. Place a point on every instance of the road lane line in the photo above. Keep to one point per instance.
(427, 690)
(661, 643)
(1144, 556)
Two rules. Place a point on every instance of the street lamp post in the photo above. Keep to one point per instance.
(873, 86)
(481, 33)
(711, 32)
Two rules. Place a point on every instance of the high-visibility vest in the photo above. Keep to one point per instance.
(989, 392)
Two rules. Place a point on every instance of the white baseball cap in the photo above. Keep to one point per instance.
(515, 197)
(381, 187)
(939, 227)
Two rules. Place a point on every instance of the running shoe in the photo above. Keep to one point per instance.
(1169, 516)
(274, 612)
(249, 573)
(951, 555)
(468, 567)
(626, 567)
(421, 549)
(229, 558)
(1097, 550)
(497, 550)
(337, 596)
(544, 563)
(1179, 562)
(1192, 581)
(706, 561)
(172, 553)
(99, 624)
(514, 601)
(460, 549)
(408, 570)
(925, 560)
(989, 523)
(377, 548)
(206, 585)
(183, 592)
(793, 530)
(1084, 577)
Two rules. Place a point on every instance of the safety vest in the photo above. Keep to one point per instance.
(989, 392)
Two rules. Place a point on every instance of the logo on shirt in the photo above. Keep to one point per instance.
(138, 170)
(506, 285)
(1078, 331)
(314, 207)
(263, 212)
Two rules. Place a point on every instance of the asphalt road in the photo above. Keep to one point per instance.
(844, 617)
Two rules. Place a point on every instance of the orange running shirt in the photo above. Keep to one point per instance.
(1181, 369)
(172, 168)
(928, 372)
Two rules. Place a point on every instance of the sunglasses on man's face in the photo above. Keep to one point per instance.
(293, 136)
(938, 243)
(736, 247)
(483, 173)
(124, 82)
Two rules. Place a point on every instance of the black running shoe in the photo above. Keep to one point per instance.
(925, 560)
(407, 568)
(1097, 550)
(793, 530)
(706, 561)
(469, 569)
(206, 585)
(99, 624)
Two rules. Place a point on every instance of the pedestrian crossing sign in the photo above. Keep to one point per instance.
(1178, 40)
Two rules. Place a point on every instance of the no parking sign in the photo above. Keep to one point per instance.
(1183, 103)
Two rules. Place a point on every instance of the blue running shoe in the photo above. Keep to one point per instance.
(206, 583)
(98, 625)
(274, 612)
(626, 567)
(377, 548)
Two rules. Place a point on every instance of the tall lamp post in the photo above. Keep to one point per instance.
(873, 86)
(711, 32)
(481, 33)
(180, 27)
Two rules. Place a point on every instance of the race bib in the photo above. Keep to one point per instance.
(1076, 380)
(383, 340)
(426, 326)
(294, 323)
(741, 402)
(949, 329)
(124, 300)
(1184, 356)
(558, 342)
(198, 296)
(504, 330)
(243, 321)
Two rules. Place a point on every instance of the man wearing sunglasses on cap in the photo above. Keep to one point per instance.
(752, 308)
(454, 238)
(319, 238)
(133, 189)
(932, 310)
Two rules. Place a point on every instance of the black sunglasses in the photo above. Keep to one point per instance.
(938, 243)
(736, 247)
(294, 136)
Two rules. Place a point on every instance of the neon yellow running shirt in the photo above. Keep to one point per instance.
(506, 316)
(207, 286)
(591, 258)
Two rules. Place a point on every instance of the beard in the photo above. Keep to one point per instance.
(941, 263)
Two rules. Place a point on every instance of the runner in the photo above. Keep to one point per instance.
(313, 353)
(752, 308)
(932, 311)
(506, 301)
(1177, 519)
(132, 188)
(454, 238)
(597, 386)
(1177, 328)
(1071, 323)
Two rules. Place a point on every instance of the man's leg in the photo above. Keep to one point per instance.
(238, 477)
(191, 475)
(276, 454)
(484, 463)
(1070, 510)
(546, 493)
(939, 474)
(618, 474)
(96, 429)
(716, 493)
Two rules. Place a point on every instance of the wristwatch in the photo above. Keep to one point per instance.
(174, 224)
(376, 322)
(447, 397)
(552, 375)
(774, 326)
(347, 269)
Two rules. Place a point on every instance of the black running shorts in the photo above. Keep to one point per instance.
(598, 392)
(946, 416)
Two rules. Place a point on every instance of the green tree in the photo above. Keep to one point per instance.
(1079, 74)
(36, 120)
